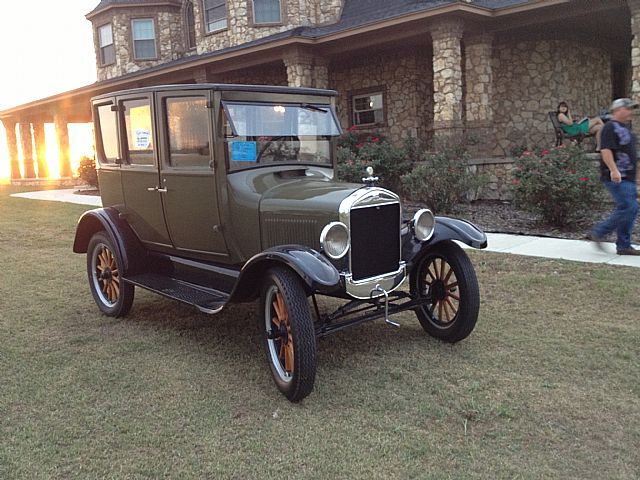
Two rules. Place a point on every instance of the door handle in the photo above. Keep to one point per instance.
(156, 189)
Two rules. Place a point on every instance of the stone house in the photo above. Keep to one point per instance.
(491, 69)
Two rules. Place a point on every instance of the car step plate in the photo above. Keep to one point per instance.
(205, 300)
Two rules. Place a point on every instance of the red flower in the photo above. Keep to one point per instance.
(526, 153)
(544, 152)
(360, 145)
(352, 128)
(516, 182)
(584, 179)
(375, 139)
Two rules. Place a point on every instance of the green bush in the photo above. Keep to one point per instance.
(443, 179)
(357, 151)
(87, 171)
(560, 184)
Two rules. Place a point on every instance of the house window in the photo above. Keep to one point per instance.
(144, 39)
(368, 109)
(190, 25)
(215, 15)
(266, 11)
(105, 40)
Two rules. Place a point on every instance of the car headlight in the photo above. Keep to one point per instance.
(423, 224)
(334, 240)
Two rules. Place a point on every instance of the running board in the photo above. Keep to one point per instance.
(204, 299)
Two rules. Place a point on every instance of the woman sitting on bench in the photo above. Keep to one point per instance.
(586, 126)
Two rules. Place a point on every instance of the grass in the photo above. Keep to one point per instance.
(545, 387)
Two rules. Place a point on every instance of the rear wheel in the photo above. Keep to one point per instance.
(290, 339)
(113, 296)
(446, 279)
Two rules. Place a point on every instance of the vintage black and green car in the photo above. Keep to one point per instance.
(214, 194)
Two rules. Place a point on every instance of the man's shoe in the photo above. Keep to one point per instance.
(597, 241)
(629, 251)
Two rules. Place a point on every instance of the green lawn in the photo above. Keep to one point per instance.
(547, 386)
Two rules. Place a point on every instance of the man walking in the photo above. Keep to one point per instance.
(618, 174)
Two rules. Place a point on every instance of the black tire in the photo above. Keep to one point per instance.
(445, 275)
(112, 294)
(290, 339)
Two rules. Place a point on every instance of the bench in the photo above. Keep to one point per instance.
(561, 134)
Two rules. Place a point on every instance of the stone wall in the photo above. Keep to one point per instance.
(406, 80)
(532, 77)
(169, 39)
(241, 29)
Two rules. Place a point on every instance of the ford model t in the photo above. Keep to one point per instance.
(215, 194)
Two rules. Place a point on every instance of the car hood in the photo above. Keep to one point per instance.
(306, 195)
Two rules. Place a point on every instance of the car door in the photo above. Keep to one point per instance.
(140, 174)
(187, 172)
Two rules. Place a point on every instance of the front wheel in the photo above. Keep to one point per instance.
(112, 294)
(289, 334)
(445, 278)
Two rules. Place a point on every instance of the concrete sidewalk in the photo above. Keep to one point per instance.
(578, 250)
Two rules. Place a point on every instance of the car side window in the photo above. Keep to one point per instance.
(107, 147)
(188, 131)
(138, 131)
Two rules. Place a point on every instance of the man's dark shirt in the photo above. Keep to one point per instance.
(618, 138)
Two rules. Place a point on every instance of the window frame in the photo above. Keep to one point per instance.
(164, 99)
(205, 22)
(101, 157)
(367, 92)
(133, 39)
(101, 47)
(255, 23)
(124, 132)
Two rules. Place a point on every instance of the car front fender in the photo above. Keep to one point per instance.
(316, 272)
(447, 228)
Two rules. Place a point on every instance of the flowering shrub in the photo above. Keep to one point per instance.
(357, 151)
(560, 184)
(443, 179)
(87, 171)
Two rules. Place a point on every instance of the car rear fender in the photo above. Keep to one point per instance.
(446, 229)
(316, 272)
(125, 241)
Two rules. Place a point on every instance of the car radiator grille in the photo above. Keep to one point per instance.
(375, 240)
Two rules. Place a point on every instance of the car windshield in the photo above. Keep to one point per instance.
(268, 133)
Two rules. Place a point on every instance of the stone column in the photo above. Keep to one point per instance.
(634, 6)
(12, 146)
(41, 149)
(304, 69)
(479, 92)
(321, 72)
(62, 138)
(26, 142)
(200, 75)
(447, 77)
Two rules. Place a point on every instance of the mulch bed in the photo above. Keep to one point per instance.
(502, 217)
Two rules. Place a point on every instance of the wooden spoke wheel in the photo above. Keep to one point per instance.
(289, 334)
(112, 295)
(445, 278)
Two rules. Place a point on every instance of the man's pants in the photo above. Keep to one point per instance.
(622, 219)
